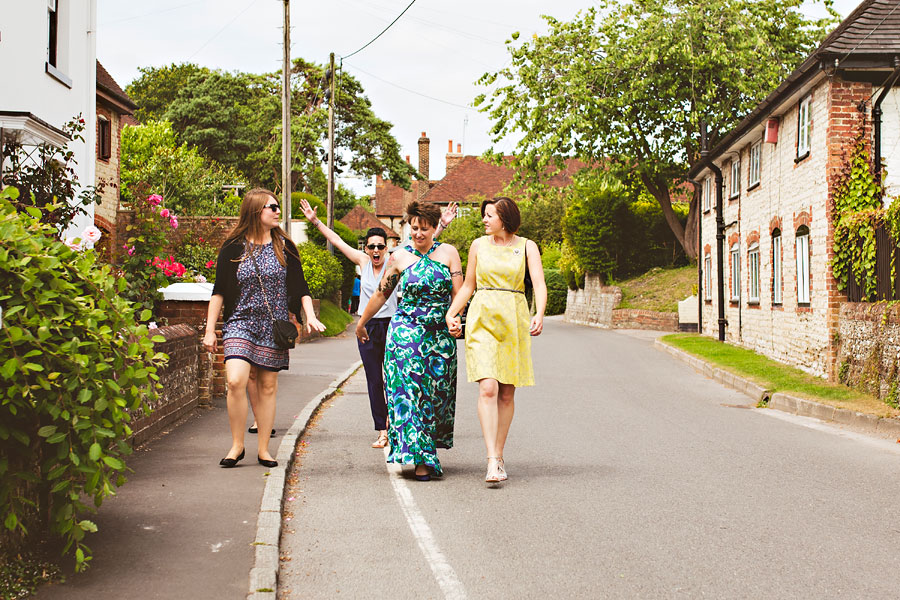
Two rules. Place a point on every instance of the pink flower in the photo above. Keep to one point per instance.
(210, 264)
(73, 245)
(164, 213)
(131, 251)
(200, 279)
(173, 222)
(155, 200)
(91, 234)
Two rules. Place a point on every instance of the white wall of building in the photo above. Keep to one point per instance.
(26, 86)
(890, 142)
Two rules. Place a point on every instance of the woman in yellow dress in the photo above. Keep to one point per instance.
(498, 325)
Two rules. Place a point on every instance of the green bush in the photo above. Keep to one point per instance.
(557, 290)
(348, 268)
(195, 257)
(75, 367)
(463, 230)
(321, 269)
(146, 240)
(334, 318)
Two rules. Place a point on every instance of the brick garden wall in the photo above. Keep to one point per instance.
(632, 318)
(594, 304)
(183, 381)
(868, 346)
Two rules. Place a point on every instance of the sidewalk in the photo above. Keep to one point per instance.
(183, 527)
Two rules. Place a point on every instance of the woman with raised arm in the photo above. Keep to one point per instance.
(371, 265)
(420, 354)
(259, 278)
(498, 332)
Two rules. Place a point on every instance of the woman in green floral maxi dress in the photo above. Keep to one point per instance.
(420, 355)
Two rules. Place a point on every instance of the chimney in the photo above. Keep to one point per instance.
(422, 186)
(407, 159)
(453, 159)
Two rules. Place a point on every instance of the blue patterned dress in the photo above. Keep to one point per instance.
(247, 334)
(420, 366)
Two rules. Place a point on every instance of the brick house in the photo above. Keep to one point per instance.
(467, 179)
(114, 109)
(361, 220)
(778, 169)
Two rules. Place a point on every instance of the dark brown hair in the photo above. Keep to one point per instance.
(427, 212)
(249, 226)
(507, 210)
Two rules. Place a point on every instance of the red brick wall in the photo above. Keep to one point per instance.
(181, 381)
(632, 318)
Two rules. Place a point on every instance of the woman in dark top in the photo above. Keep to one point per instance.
(258, 269)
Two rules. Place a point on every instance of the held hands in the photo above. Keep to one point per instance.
(537, 325)
(209, 342)
(448, 214)
(454, 324)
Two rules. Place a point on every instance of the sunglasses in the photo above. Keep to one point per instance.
(376, 246)
(273, 207)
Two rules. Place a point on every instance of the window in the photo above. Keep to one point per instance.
(707, 193)
(777, 279)
(735, 273)
(755, 153)
(52, 32)
(736, 178)
(803, 128)
(707, 276)
(753, 266)
(802, 248)
(104, 138)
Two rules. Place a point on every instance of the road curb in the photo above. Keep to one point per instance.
(264, 574)
(857, 421)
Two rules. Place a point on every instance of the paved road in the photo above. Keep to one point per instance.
(630, 476)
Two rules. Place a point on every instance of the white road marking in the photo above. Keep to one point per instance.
(818, 425)
(443, 573)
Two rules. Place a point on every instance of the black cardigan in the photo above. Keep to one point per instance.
(227, 284)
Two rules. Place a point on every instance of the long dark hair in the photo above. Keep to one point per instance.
(249, 227)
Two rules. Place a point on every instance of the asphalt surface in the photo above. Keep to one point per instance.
(183, 527)
(631, 476)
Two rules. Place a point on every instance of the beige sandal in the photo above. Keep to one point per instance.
(501, 470)
(382, 440)
(493, 475)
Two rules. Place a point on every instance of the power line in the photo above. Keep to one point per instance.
(382, 31)
(409, 90)
(226, 26)
(150, 14)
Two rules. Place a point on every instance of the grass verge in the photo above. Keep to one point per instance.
(334, 318)
(776, 376)
(658, 289)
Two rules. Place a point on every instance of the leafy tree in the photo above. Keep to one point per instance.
(152, 162)
(155, 89)
(542, 217)
(627, 84)
(464, 229)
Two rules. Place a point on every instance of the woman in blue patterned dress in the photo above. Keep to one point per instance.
(258, 269)
(420, 355)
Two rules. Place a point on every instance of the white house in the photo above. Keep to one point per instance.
(779, 168)
(48, 61)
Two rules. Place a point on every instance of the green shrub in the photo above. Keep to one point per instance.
(321, 269)
(146, 240)
(75, 367)
(557, 290)
(334, 318)
(195, 257)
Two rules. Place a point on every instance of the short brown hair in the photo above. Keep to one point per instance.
(427, 212)
(507, 210)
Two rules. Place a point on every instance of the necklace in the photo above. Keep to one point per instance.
(506, 245)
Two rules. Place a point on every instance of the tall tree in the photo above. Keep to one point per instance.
(627, 85)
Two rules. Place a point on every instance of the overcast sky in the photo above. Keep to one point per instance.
(420, 75)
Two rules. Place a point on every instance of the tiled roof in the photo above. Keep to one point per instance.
(390, 199)
(359, 219)
(873, 28)
(107, 84)
(475, 176)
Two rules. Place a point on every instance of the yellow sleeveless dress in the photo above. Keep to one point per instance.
(498, 342)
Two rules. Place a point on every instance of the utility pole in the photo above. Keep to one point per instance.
(286, 122)
(330, 205)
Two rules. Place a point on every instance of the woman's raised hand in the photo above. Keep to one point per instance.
(308, 211)
(448, 214)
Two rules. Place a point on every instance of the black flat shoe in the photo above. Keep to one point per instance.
(255, 430)
(228, 463)
(267, 463)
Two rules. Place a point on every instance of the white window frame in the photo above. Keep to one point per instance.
(736, 272)
(755, 156)
(707, 189)
(802, 251)
(736, 178)
(777, 271)
(804, 122)
(753, 272)
(707, 277)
